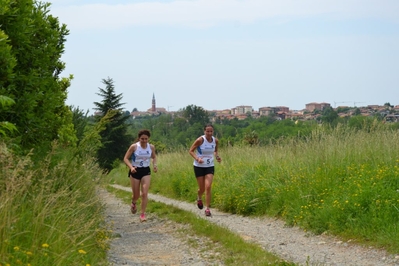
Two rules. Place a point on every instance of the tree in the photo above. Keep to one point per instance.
(195, 114)
(114, 137)
(31, 46)
(329, 115)
(80, 121)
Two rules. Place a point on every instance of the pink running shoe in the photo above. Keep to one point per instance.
(208, 212)
(200, 204)
(142, 217)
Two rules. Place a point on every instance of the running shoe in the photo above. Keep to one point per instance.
(142, 217)
(199, 204)
(133, 208)
(208, 212)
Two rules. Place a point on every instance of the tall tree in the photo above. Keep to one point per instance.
(195, 114)
(329, 115)
(114, 138)
(35, 41)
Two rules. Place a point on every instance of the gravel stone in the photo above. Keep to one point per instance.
(161, 242)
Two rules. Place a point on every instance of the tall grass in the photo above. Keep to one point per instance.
(49, 212)
(339, 181)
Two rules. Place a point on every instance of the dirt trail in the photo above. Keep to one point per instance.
(289, 243)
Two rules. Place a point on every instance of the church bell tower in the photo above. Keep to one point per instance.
(153, 106)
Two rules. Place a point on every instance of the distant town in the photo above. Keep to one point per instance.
(311, 111)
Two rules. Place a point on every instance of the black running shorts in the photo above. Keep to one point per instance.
(203, 171)
(141, 172)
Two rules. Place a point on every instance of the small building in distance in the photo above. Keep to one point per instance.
(241, 110)
(316, 106)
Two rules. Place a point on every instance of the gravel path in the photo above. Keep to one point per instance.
(158, 242)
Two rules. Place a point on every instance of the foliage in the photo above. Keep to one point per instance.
(342, 109)
(7, 60)
(251, 138)
(195, 114)
(4, 125)
(362, 123)
(7, 64)
(115, 139)
(80, 121)
(329, 115)
(31, 46)
(50, 214)
(356, 112)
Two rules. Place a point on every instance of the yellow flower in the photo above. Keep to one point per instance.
(29, 253)
(81, 251)
(45, 245)
(16, 248)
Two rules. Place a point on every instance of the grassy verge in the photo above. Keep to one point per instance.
(49, 212)
(234, 250)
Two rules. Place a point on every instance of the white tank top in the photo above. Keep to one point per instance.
(141, 157)
(205, 151)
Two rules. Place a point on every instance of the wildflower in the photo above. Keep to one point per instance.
(16, 248)
(29, 253)
(81, 251)
(45, 245)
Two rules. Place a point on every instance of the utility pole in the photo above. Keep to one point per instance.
(168, 107)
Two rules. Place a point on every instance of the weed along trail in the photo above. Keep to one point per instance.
(289, 243)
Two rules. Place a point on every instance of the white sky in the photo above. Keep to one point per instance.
(219, 54)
